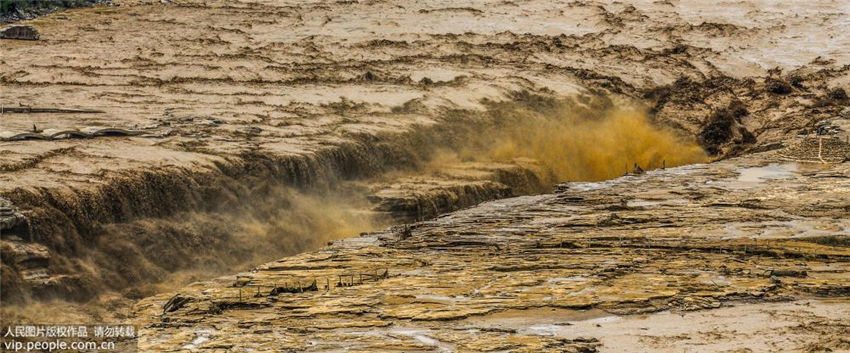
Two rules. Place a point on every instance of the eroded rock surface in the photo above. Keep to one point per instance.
(559, 272)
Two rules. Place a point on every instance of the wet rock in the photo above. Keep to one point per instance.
(19, 33)
(838, 94)
(725, 126)
(827, 128)
(16, 10)
(777, 86)
(786, 273)
(27, 255)
(368, 76)
(11, 221)
(796, 81)
(175, 303)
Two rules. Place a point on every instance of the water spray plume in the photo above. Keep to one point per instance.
(572, 144)
(557, 141)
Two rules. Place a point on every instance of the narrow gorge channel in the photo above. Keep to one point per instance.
(101, 248)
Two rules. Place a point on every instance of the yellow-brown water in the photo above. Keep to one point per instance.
(569, 143)
(558, 141)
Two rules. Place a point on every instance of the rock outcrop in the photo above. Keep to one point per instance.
(19, 33)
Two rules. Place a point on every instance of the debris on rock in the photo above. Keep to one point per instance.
(175, 303)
